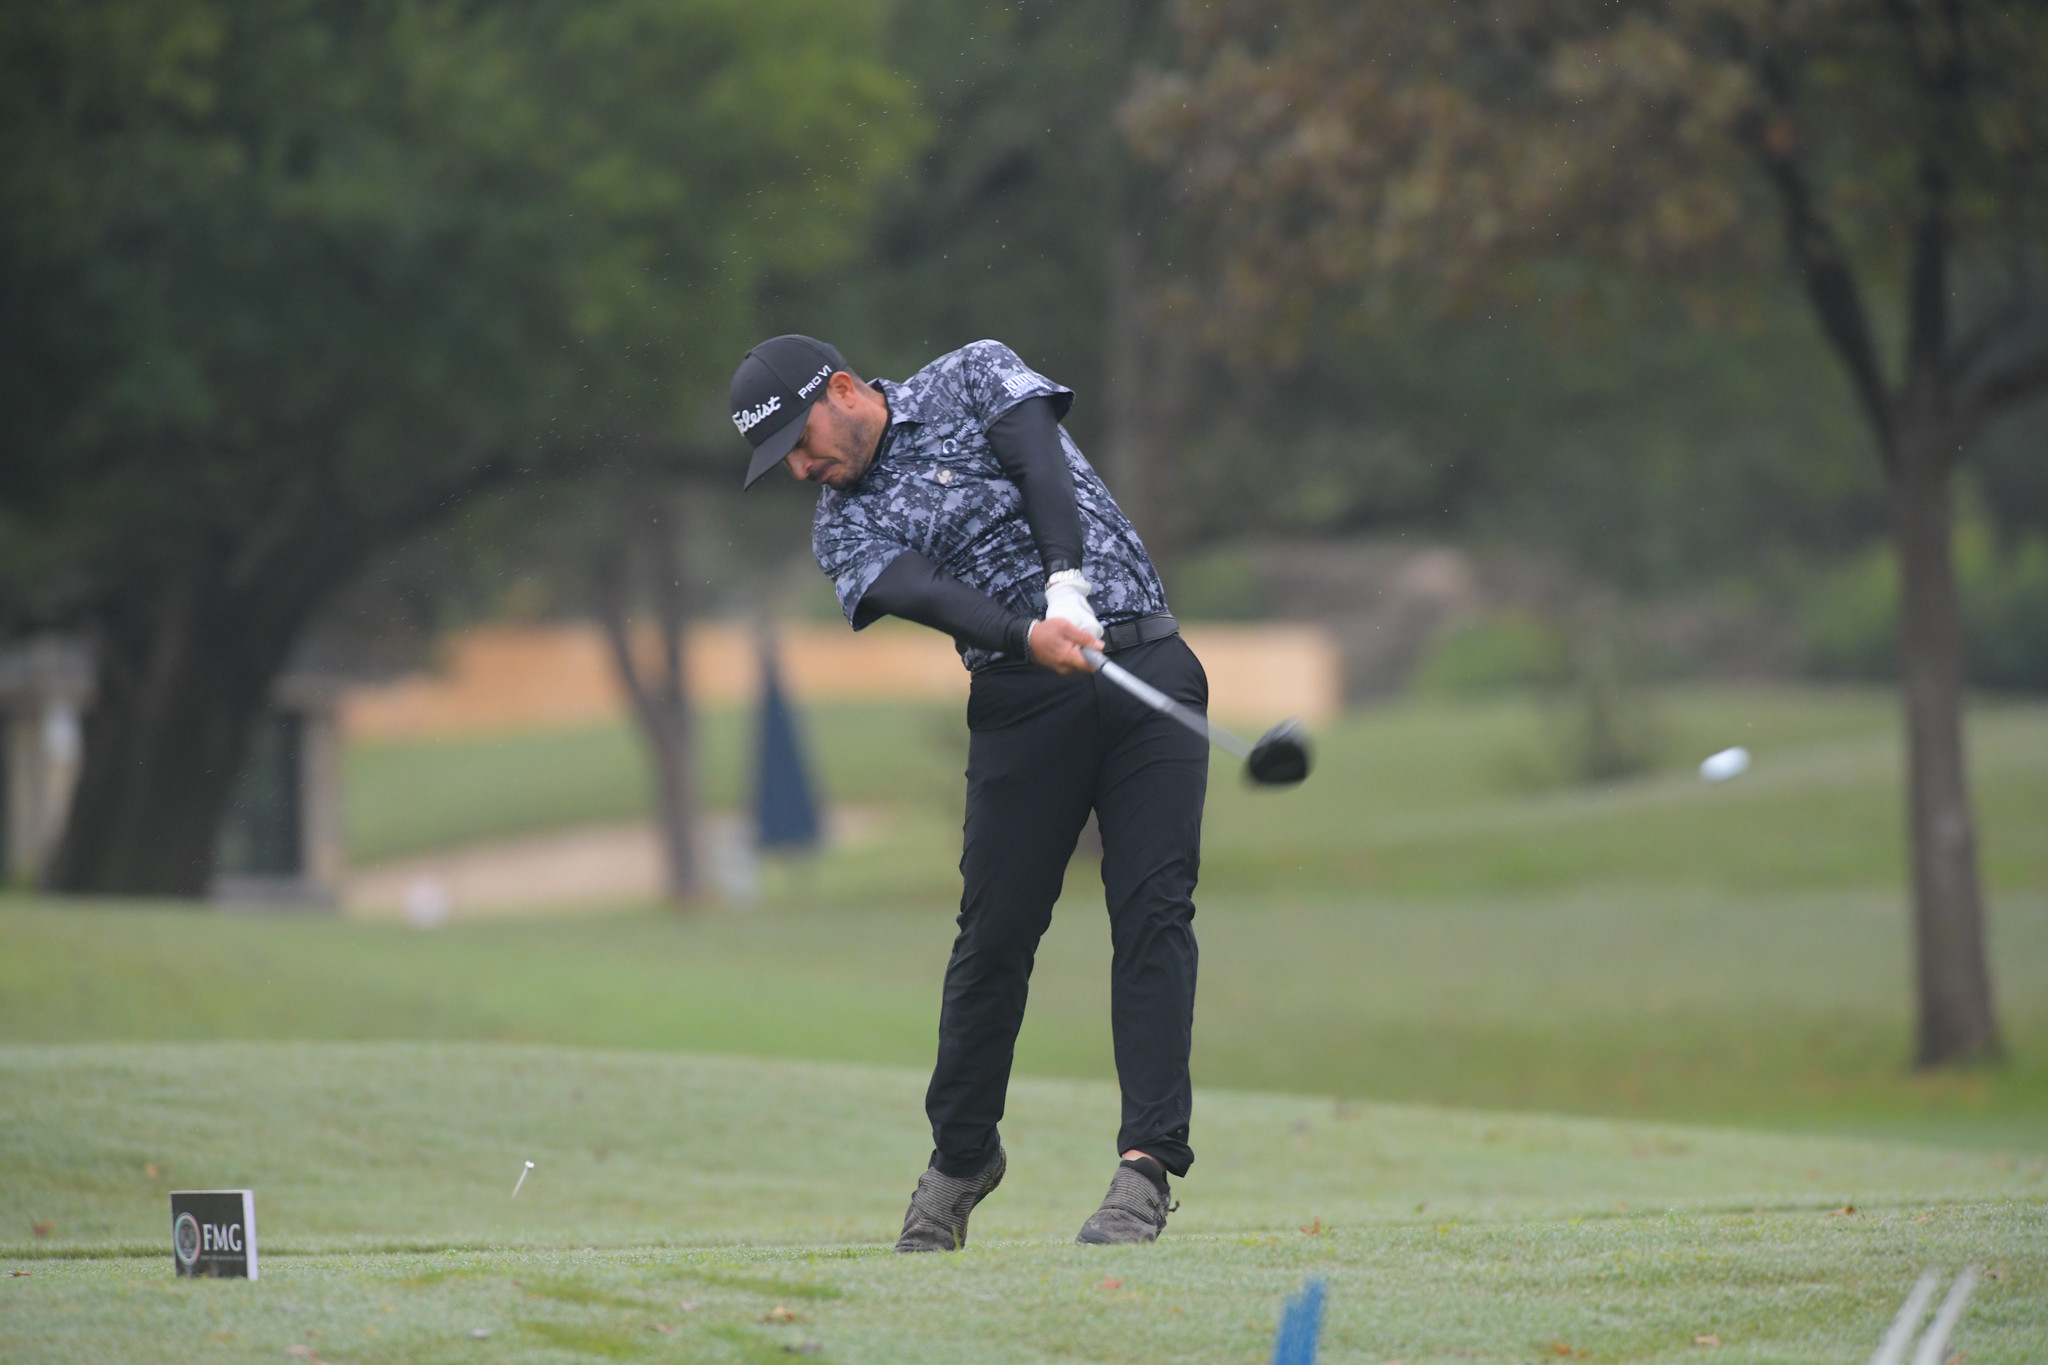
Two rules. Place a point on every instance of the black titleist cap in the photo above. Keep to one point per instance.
(772, 393)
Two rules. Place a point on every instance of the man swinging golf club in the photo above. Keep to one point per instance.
(955, 499)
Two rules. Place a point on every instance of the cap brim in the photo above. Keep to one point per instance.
(776, 448)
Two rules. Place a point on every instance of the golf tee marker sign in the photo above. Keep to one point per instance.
(213, 1233)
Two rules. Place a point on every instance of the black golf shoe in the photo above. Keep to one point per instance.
(937, 1218)
(1135, 1208)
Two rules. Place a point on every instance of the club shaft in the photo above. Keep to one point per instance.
(1165, 705)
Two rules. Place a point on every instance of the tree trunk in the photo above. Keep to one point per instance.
(660, 698)
(1956, 1021)
(182, 676)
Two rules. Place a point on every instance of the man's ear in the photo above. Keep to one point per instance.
(842, 386)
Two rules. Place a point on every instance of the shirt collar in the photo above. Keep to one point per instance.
(902, 399)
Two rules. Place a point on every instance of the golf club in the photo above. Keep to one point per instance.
(1280, 758)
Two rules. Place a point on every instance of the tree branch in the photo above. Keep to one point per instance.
(613, 608)
(670, 608)
(2013, 383)
(1927, 319)
(1987, 332)
(1830, 283)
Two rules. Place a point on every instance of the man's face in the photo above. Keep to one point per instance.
(840, 434)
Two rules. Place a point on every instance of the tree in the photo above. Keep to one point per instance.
(1025, 216)
(283, 282)
(1893, 152)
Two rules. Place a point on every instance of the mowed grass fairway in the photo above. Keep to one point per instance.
(699, 1209)
(1525, 1070)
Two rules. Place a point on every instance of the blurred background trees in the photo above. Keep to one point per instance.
(1472, 154)
(286, 283)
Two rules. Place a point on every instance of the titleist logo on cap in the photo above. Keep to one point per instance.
(746, 419)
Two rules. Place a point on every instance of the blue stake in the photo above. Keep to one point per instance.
(1300, 1325)
(786, 811)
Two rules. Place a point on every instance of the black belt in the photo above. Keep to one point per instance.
(1139, 630)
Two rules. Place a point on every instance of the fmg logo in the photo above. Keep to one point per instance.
(213, 1233)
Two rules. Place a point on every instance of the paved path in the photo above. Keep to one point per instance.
(597, 867)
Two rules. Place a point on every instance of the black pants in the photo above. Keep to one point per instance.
(1044, 749)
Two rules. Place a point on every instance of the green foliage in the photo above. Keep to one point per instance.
(1851, 613)
(422, 231)
(1600, 718)
(1223, 586)
(286, 282)
(1502, 651)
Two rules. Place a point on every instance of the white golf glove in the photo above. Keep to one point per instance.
(1066, 597)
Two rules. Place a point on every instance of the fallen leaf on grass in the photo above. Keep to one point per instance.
(151, 1169)
(1706, 1339)
(780, 1314)
(664, 1327)
(1109, 1282)
(42, 1227)
(1565, 1350)
(1314, 1229)
(1846, 1211)
(17, 1274)
(687, 1305)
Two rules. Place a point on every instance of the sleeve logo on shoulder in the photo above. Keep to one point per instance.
(1020, 384)
(746, 419)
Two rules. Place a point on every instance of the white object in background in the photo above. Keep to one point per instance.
(731, 861)
(426, 903)
(1726, 764)
(62, 738)
(1899, 1338)
(521, 1181)
(1934, 1346)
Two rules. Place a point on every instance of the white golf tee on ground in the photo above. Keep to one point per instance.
(521, 1180)
(1899, 1339)
(1933, 1348)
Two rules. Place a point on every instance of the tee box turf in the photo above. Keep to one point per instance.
(213, 1233)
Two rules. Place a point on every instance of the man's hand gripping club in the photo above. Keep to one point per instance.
(1069, 625)
(1057, 645)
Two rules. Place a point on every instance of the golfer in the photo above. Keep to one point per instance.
(955, 499)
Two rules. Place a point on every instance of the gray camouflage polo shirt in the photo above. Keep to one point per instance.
(936, 488)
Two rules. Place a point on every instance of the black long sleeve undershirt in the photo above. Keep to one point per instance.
(913, 588)
(1026, 442)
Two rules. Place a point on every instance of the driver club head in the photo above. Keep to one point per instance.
(1282, 756)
